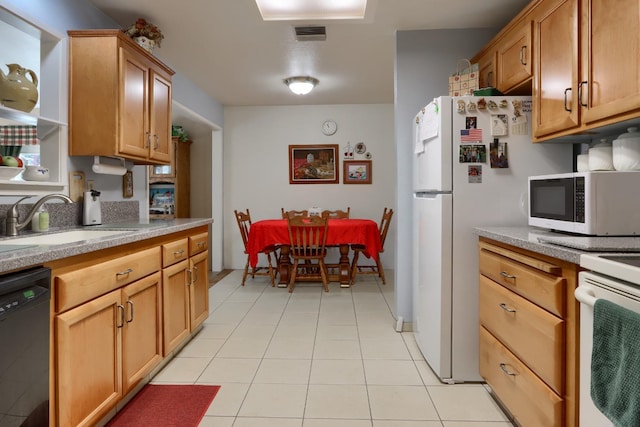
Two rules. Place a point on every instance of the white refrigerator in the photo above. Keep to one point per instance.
(472, 157)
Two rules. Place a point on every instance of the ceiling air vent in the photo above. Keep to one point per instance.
(305, 34)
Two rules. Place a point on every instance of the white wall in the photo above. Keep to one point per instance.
(424, 61)
(256, 141)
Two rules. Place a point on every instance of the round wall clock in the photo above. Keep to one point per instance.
(329, 127)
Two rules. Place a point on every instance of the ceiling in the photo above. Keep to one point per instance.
(226, 49)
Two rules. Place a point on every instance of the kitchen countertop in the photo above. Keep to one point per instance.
(34, 255)
(567, 247)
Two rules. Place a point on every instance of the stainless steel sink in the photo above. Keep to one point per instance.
(60, 238)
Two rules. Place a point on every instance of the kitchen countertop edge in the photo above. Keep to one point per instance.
(40, 254)
(527, 238)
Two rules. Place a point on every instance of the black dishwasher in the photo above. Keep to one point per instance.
(24, 348)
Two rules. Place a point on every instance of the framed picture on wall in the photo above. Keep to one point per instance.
(357, 172)
(313, 164)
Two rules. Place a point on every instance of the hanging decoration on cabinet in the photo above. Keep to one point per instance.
(147, 35)
(465, 80)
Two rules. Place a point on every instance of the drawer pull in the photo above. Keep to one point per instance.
(124, 273)
(507, 309)
(121, 310)
(507, 275)
(130, 304)
(201, 244)
(179, 252)
(503, 366)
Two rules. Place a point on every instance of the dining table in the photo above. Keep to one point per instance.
(340, 233)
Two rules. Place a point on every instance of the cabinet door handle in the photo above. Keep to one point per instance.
(121, 310)
(190, 273)
(565, 99)
(130, 304)
(178, 253)
(503, 366)
(507, 275)
(148, 140)
(523, 58)
(124, 273)
(506, 308)
(195, 271)
(580, 92)
(156, 144)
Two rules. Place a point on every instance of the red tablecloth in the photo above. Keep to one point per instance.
(340, 231)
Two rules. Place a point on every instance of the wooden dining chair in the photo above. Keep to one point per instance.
(285, 214)
(357, 249)
(244, 224)
(337, 214)
(307, 235)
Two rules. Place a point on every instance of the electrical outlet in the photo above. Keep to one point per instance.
(90, 185)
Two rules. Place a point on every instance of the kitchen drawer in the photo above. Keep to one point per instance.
(174, 252)
(536, 280)
(533, 334)
(198, 243)
(82, 285)
(529, 400)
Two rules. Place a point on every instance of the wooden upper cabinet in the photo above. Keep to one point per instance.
(120, 99)
(586, 68)
(486, 68)
(611, 70)
(513, 56)
(555, 85)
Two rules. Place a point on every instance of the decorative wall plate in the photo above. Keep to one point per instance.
(368, 155)
(360, 148)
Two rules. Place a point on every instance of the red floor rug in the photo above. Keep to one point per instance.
(166, 406)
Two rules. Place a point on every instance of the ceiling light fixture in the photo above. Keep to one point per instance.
(278, 10)
(301, 85)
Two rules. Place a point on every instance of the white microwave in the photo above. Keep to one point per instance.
(603, 203)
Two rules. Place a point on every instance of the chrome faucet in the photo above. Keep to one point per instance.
(13, 222)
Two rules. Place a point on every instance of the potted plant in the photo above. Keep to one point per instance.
(145, 34)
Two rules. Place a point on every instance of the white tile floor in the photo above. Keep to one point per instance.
(316, 359)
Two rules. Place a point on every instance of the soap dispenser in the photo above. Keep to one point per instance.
(92, 214)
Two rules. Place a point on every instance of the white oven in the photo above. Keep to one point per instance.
(615, 278)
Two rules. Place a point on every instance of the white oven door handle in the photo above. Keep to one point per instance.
(585, 295)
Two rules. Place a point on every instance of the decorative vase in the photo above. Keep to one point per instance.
(146, 43)
(17, 91)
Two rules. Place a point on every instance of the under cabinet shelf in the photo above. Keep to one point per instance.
(46, 126)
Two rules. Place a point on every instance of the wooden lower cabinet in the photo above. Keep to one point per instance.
(529, 334)
(175, 294)
(104, 348)
(116, 314)
(185, 288)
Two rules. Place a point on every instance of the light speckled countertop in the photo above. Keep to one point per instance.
(562, 246)
(39, 254)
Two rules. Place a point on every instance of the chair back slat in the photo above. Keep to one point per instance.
(384, 225)
(308, 235)
(244, 224)
(337, 214)
(285, 214)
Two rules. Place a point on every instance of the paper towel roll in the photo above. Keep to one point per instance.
(583, 162)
